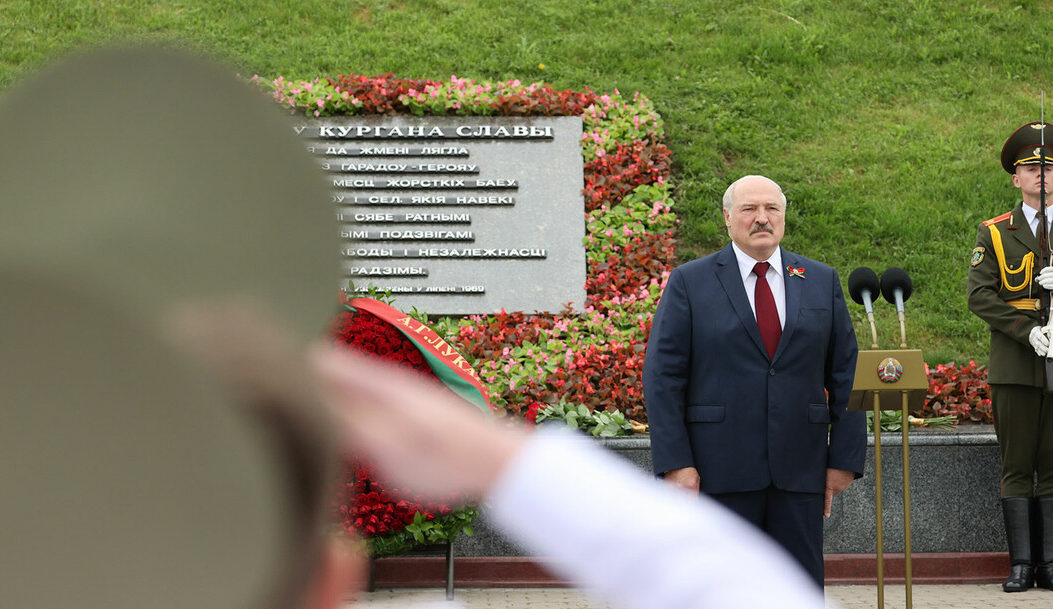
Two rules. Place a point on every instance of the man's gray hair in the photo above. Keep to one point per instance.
(729, 194)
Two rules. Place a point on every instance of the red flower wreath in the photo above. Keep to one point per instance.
(366, 505)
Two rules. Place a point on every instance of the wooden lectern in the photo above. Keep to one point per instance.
(882, 373)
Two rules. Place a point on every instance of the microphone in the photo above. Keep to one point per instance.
(896, 288)
(863, 287)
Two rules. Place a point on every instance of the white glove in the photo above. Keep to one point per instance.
(1039, 339)
(1045, 278)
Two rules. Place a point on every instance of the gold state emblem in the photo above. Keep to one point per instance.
(890, 370)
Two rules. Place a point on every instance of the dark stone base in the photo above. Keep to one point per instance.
(954, 496)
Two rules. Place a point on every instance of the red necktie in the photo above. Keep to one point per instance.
(767, 314)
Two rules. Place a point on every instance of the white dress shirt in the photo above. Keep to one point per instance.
(775, 277)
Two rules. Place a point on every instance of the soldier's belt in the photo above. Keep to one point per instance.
(1024, 304)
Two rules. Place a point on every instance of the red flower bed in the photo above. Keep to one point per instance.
(612, 176)
(629, 269)
(543, 101)
(961, 391)
(387, 94)
(379, 94)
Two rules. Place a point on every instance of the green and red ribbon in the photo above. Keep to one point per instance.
(444, 360)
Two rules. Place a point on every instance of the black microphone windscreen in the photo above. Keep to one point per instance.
(863, 278)
(895, 277)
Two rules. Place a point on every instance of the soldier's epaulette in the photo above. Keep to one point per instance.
(1004, 216)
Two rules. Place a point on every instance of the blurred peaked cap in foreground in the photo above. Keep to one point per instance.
(1025, 146)
(129, 480)
(135, 181)
(158, 176)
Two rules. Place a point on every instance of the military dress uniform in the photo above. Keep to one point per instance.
(1003, 292)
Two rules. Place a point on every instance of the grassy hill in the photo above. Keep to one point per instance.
(882, 120)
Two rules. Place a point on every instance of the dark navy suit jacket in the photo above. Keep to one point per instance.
(715, 400)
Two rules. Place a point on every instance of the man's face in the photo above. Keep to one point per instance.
(757, 218)
(1028, 178)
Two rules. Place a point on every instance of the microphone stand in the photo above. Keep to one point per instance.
(897, 374)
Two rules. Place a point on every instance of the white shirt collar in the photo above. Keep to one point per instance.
(774, 277)
(746, 261)
(1031, 215)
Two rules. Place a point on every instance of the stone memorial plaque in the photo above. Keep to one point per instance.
(458, 215)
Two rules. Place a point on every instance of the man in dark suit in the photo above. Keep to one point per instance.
(749, 366)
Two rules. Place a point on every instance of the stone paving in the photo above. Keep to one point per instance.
(846, 597)
(961, 596)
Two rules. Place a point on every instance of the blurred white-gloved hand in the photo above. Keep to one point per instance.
(1039, 339)
(1045, 278)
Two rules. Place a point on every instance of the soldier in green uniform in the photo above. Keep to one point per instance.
(1007, 288)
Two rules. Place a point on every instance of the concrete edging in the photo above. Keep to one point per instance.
(841, 569)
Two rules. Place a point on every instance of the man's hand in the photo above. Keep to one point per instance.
(837, 480)
(685, 477)
(1039, 339)
(414, 432)
(1045, 278)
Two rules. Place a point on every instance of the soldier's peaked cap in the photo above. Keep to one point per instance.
(1029, 145)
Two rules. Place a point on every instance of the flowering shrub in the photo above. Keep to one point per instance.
(316, 98)
(357, 94)
(615, 175)
(646, 210)
(612, 122)
(959, 391)
(390, 519)
(381, 95)
(594, 357)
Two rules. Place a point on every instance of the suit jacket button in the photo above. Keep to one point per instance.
(771, 372)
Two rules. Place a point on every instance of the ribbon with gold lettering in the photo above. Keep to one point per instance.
(444, 360)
